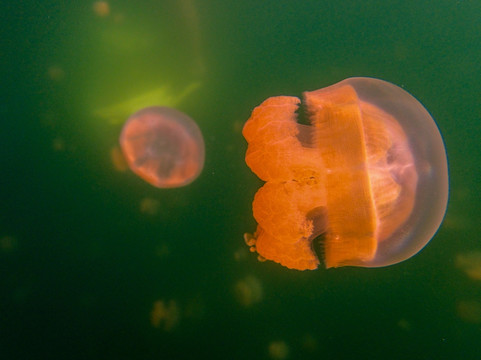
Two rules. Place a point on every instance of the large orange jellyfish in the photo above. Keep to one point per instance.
(368, 179)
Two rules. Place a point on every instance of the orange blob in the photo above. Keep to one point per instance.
(361, 176)
(163, 146)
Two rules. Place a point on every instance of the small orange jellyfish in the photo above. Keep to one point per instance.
(101, 8)
(163, 146)
(366, 184)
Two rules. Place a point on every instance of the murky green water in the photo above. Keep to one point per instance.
(95, 263)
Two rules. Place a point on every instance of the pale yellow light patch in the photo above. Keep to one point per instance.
(469, 311)
(149, 206)
(278, 350)
(161, 96)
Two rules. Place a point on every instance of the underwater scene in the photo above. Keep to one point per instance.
(187, 179)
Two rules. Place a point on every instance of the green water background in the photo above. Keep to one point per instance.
(86, 265)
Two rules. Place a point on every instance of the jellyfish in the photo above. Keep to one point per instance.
(163, 146)
(365, 184)
(470, 263)
(249, 291)
(165, 314)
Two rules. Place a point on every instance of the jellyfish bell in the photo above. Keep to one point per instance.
(369, 175)
(163, 146)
